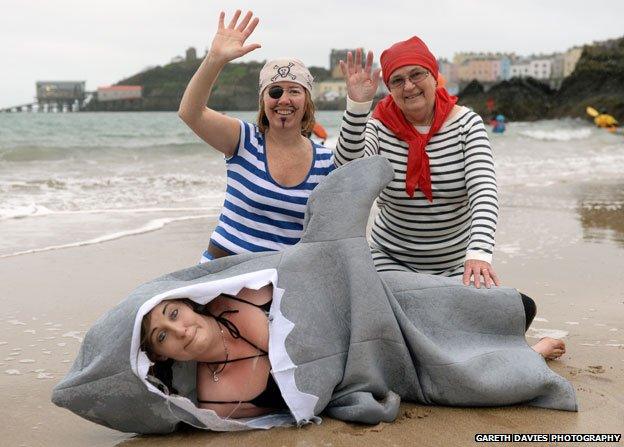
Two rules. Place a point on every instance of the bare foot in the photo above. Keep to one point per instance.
(550, 348)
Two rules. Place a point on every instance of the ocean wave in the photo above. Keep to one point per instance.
(90, 183)
(34, 210)
(24, 211)
(152, 225)
(557, 134)
(128, 148)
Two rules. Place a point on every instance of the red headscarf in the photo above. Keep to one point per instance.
(413, 52)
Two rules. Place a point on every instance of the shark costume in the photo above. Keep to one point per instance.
(343, 339)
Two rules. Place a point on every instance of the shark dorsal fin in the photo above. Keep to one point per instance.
(339, 207)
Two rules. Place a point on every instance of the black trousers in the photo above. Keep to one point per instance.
(529, 310)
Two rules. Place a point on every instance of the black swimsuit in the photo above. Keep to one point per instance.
(271, 397)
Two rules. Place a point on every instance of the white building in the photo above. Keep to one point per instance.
(119, 92)
(540, 68)
(520, 70)
(330, 90)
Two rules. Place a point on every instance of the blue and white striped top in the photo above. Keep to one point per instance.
(259, 214)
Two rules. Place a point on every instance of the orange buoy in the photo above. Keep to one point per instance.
(441, 80)
(320, 131)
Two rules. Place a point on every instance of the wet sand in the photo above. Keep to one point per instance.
(574, 273)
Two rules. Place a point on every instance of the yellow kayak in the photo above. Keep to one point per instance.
(602, 120)
(592, 112)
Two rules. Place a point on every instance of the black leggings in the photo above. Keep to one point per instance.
(529, 310)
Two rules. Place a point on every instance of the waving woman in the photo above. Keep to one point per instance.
(272, 166)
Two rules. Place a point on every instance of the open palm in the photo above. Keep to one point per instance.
(361, 82)
(229, 42)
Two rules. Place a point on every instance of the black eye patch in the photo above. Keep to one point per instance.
(276, 92)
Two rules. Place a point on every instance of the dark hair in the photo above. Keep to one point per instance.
(307, 122)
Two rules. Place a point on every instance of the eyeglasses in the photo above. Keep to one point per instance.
(414, 77)
(276, 91)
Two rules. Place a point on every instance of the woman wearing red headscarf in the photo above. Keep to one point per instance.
(439, 214)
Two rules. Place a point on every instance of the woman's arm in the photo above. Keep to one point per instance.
(357, 138)
(218, 130)
(483, 201)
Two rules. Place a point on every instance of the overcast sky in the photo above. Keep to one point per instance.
(102, 42)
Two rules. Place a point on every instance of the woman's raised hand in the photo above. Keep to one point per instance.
(229, 42)
(361, 83)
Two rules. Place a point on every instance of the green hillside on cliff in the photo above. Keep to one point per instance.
(597, 81)
(163, 87)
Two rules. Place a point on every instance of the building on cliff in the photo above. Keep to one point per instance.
(119, 93)
(490, 68)
(191, 54)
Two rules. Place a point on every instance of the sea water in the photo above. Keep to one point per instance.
(71, 179)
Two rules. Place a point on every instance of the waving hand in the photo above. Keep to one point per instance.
(361, 82)
(229, 42)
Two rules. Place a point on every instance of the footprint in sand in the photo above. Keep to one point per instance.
(416, 413)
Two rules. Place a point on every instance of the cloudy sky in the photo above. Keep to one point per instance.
(102, 42)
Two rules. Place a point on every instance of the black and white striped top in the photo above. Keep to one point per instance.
(413, 233)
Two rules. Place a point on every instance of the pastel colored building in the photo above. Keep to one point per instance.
(505, 68)
(483, 70)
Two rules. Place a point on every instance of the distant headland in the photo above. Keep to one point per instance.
(522, 88)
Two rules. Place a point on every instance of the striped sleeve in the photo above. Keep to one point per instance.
(481, 188)
(358, 136)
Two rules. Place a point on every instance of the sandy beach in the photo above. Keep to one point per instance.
(569, 260)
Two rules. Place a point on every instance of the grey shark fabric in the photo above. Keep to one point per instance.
(357, 341)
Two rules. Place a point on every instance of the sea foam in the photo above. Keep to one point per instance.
(558, 134)
(152, 225)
